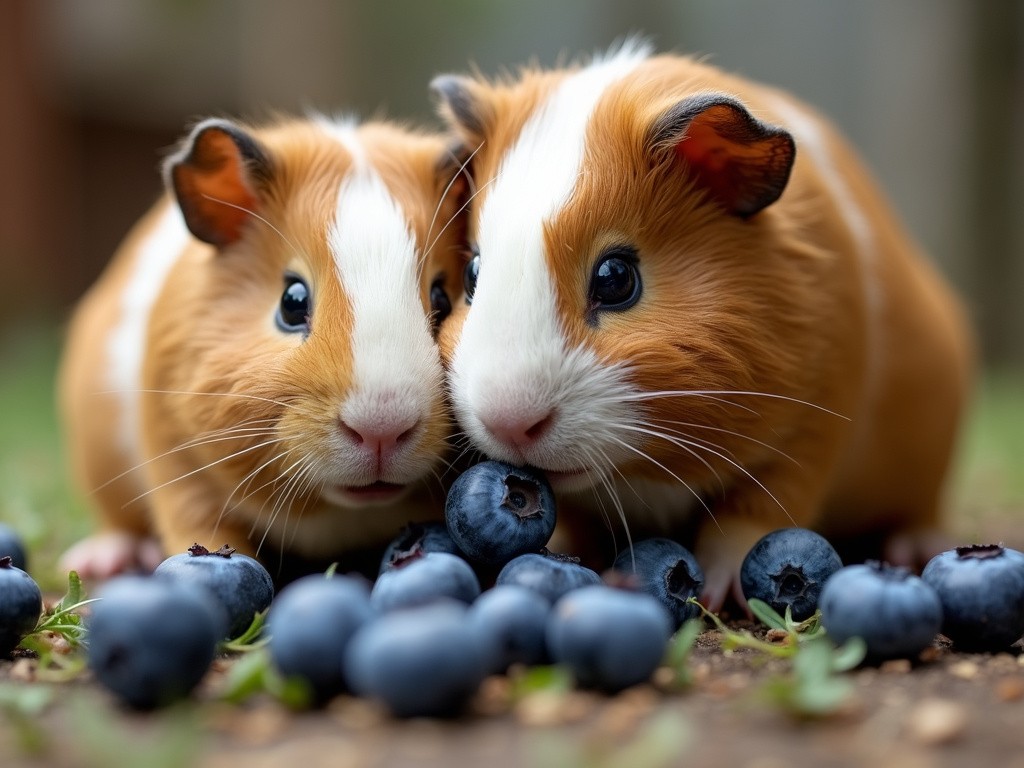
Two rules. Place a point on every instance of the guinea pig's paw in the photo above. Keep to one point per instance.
(720, 581)
(914, 548)
(107, 554)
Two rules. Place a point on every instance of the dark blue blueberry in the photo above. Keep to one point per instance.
(152, 640)
(609, 638)
(512, 619)
(788, 567)
(425, 661)
(667, 571)
(310, 624)
(416, 538)
(496, 511)
(552, 575)
(982, 592)
(242, 585)
(21, 603)
(896, 613)
(423, 578)
(12, 546)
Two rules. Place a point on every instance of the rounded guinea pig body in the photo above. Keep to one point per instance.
(689, 303)
(257, 365)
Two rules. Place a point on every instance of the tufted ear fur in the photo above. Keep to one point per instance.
(460, 106)
(215, 176)
(742, 162)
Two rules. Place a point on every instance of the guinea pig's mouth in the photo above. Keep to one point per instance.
(378, 492)
(570, 480)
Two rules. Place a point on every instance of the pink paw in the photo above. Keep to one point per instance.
(913, 549)
(108, 554)
(719, 583)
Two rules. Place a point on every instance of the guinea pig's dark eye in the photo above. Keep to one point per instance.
(294, 309)
(440, 304)
(471, 272)
(615, 282)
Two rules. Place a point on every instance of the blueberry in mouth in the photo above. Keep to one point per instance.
(496, 511)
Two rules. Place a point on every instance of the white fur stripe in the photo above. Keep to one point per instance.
(810, 138)
(512, 356)
(156, 256)
(395, 360)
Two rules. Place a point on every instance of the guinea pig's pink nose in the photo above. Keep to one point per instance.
(520, 428)
(379, 437)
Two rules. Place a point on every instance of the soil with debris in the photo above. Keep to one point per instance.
(946, 709)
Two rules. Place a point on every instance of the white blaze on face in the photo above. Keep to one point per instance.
(396, 364)
(512, 356)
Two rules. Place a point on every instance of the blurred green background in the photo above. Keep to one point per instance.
(93, 92)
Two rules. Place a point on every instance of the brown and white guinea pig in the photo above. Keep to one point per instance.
(686, 296)
(257, 365)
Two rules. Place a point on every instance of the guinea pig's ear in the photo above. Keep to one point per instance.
(215, 176)
(742, 162)
(461, 106)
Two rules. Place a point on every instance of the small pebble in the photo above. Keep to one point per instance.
(896, 666)
(547, 708)
(937, 721)
(1010, 689)
(965, 670)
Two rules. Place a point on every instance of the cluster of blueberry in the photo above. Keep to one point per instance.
(423, 636)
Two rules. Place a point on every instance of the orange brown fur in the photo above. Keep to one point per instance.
(774, 304)
(211, 330)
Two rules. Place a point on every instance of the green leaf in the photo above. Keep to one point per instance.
(679, 649)
(552, 678)
(849, 655)
(251, 639)
(254, 673)
(767, 615)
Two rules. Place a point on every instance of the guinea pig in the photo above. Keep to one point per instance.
(257, 365)
(687, 300)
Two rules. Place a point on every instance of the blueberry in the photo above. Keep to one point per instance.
(667, 571)
(609, 638)
(496, 511)
(152, 640)
(21, 603)
(512, 619)
(12, 546)
(788, 567)
(426, 537)
(242, 585)
(422, 578)
(550, 574)
(896, 613)
(310, 624)
(425, 661)
(982, 592)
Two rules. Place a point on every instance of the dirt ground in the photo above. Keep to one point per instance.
(949, 709)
